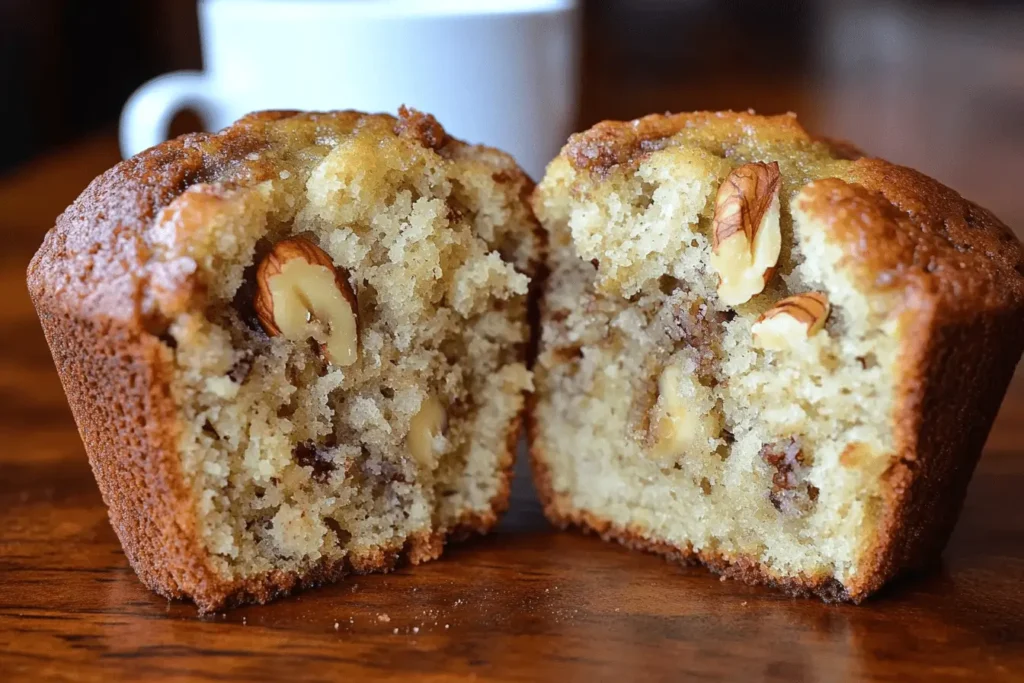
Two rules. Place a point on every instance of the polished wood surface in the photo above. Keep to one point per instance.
(527, 603)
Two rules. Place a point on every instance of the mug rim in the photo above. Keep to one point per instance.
(410, 9)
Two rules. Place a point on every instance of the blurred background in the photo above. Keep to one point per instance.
(934, 84)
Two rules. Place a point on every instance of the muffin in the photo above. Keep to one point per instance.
(296, 348)
(763, 352)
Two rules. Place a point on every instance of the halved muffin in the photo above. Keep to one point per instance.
(295, 348)
(763, 352)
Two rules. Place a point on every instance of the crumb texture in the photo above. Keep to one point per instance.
(763, 428)
(366, 403)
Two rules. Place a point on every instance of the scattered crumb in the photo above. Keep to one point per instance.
(415, 629)
(395, 631)
(383, 617)
(446, 625)
(336, 626)
(284, 175)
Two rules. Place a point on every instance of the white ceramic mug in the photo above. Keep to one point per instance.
(499, 72)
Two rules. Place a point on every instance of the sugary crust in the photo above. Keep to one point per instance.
(611, 144)
(959, 276)
(104, 304)
(901, 229)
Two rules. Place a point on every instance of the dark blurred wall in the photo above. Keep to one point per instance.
(693, 54)
(67, 66)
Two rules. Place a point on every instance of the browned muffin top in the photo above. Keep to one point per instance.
(104, 236)
(898, 226)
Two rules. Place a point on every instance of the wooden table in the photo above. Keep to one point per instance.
(526, 603)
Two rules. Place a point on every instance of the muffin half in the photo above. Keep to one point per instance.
(765, 353)
(295, 348)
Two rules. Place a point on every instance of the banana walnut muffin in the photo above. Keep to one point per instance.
(763, 352)
(296, 348)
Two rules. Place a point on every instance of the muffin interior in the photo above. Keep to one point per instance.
(293, 457)
(785, 448)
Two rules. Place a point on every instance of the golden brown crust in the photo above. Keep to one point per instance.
(957, 273)
(903, 230)
(954, 375)
(960, 273)
(125, 417)
(105, 306)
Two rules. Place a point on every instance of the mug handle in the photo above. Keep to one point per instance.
(147, 114)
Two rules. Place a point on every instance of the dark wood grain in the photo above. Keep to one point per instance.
(526, 603)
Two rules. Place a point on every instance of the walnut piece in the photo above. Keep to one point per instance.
(426, 425)
(746, 238)
(677, 428)
(302, 295)
(791, 321)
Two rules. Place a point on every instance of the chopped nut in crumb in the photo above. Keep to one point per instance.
(790, 493)
(307, 454)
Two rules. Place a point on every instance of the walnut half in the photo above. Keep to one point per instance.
(746, 236)
(301, 294)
